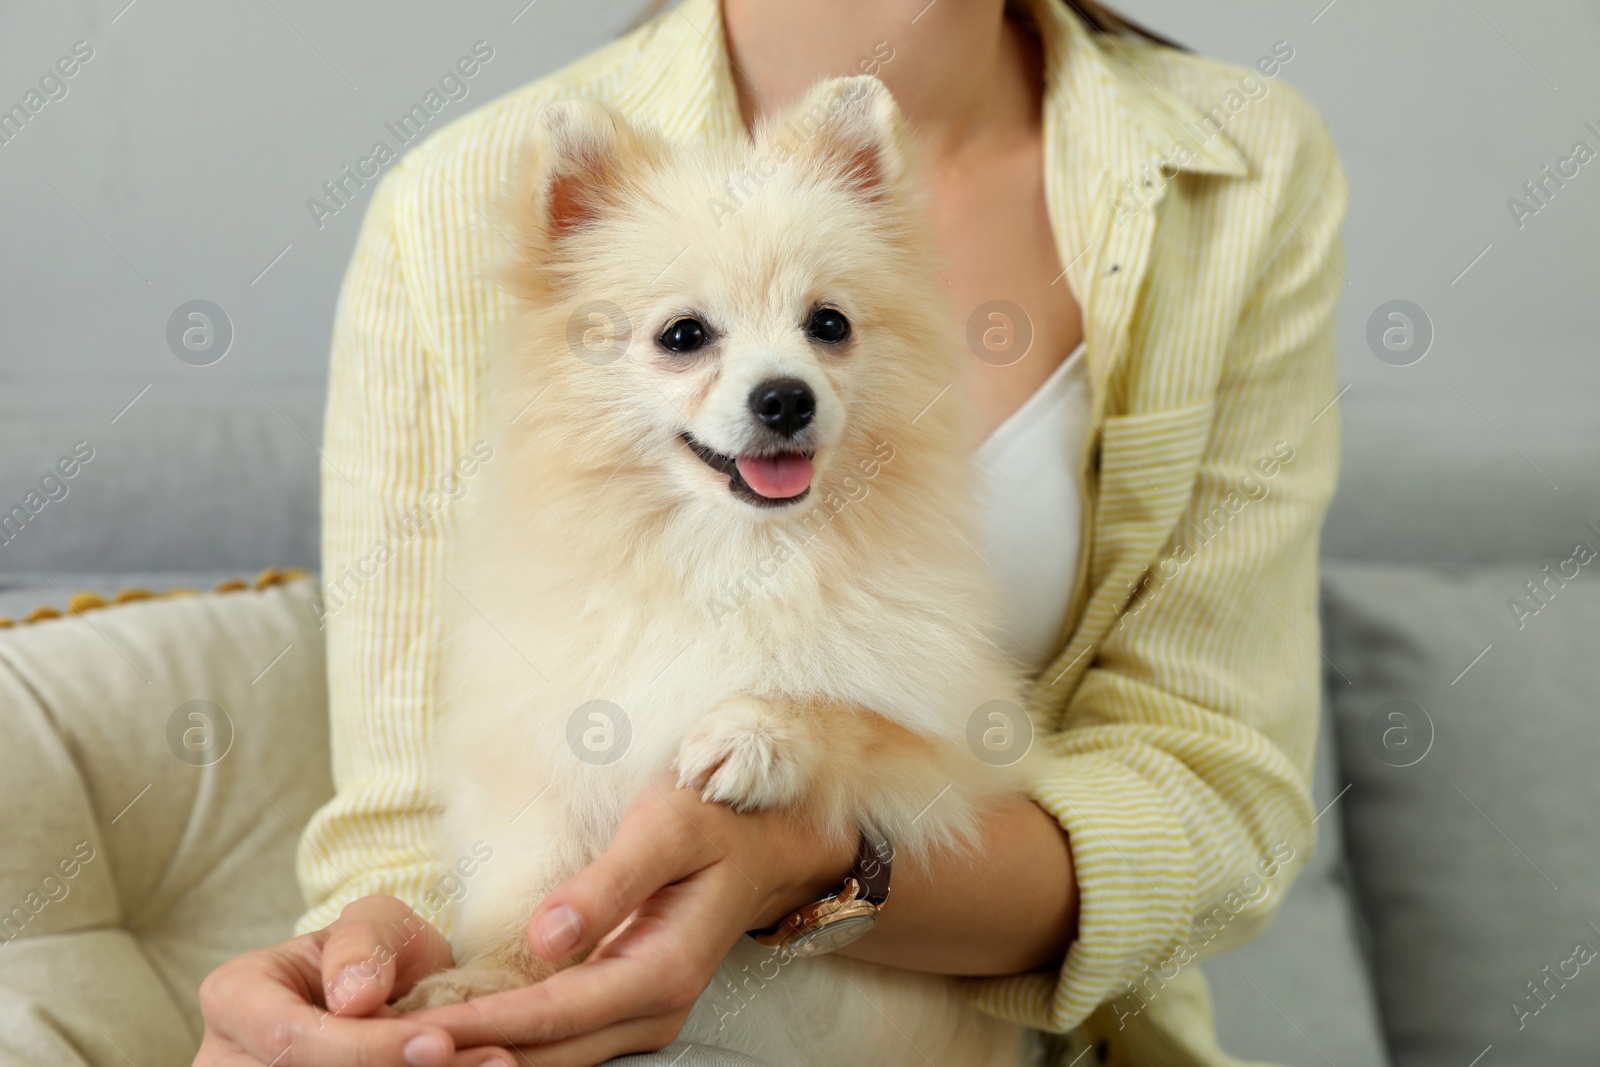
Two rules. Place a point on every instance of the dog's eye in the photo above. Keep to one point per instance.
(683, 335)
(828, 325)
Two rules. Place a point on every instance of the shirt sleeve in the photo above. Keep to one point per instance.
(1181, 770)
(391, 450)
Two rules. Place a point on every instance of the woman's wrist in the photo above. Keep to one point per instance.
(802, 864)
(780, 861)
(1007, 906)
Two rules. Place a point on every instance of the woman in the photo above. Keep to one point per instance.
(1151, 241)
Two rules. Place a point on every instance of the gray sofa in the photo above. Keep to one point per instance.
(1458, 874)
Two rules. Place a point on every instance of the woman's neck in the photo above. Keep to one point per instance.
(963, 74)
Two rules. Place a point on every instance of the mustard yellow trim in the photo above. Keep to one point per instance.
(79, 603)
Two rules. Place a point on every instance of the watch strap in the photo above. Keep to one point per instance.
(874, 858)
(874, 862)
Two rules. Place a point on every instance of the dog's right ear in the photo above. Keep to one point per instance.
(571, 170)
(578, 148)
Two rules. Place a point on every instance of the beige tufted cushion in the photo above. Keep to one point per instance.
(127, 873)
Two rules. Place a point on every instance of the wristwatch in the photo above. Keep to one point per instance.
(843, 916)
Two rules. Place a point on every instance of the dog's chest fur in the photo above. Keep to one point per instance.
(606, 614)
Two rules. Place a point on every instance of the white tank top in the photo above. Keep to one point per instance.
(1032, 511)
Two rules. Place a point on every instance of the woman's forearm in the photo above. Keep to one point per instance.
(1007, 906)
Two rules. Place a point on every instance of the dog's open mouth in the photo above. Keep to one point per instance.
(766, 481)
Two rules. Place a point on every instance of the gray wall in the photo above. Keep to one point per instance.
(179, 163)
(178, 167)
(1486, 448)
(1442, 110)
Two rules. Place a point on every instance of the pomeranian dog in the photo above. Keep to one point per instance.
(728, 530)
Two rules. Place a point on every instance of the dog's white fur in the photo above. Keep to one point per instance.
(826, 655)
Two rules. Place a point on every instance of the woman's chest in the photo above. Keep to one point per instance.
(1004, 278)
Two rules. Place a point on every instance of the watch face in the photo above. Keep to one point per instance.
(834, 935)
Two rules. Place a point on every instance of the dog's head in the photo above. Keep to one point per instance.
(754, 320)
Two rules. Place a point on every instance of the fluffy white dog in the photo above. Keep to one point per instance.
(729, 525)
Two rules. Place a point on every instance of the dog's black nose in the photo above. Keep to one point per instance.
(784, 405)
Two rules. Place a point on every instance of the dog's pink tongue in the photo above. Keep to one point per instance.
(776, 477)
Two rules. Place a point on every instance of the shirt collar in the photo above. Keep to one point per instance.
(1129, 123)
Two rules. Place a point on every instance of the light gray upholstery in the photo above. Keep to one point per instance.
(1301, 991)
(1472, 830)
(175, 485)
(1422, 486)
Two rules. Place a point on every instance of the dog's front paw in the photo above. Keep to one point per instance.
(746, 755)
(461, 984)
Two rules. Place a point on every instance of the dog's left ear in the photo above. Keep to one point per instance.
(851, 130)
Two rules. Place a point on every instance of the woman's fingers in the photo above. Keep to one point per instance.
(493, 1057)
(376, 948)
(657, 966)
(597, 997)
(260, 1005)
(657, 843)
(220, 1052)
(591, 996)
(635, 1035)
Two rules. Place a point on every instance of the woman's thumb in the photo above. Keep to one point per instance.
(378, 947)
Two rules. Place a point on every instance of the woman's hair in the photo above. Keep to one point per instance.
(1104, 20)
(1100, 18)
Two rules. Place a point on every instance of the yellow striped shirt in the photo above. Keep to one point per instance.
(1196, 207)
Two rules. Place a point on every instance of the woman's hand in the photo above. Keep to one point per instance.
(324, 997)
(664, 904)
